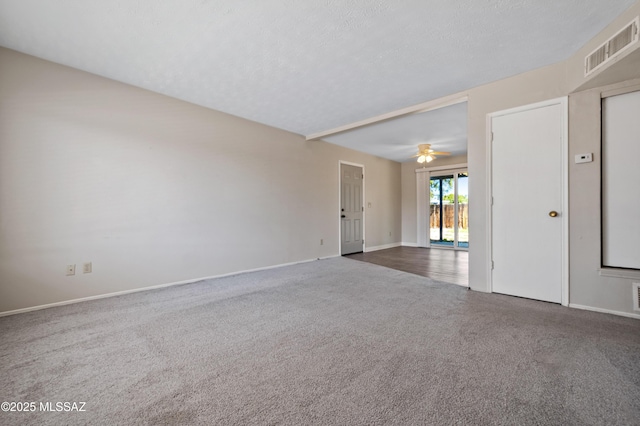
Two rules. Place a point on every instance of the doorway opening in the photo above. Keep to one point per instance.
(449, 210)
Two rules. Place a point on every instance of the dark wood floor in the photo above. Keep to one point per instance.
(451, 266)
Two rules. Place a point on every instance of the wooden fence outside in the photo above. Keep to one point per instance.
(449, 216)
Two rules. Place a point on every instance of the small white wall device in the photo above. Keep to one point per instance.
(584, 158)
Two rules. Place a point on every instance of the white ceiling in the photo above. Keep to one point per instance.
(305, 66)
(445, 129)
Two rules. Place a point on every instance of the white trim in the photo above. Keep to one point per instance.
(604, 311)
(403, 244)
(382, 247)
(563, 102)
(443, 247)
(489, 203)
(452, 167)
(154, 287)
(631, 274)
(541, 104)
(364, 210)
(456, 98)
(621, 91)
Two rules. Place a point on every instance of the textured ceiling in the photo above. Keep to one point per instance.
(304, 66)
(445, 129)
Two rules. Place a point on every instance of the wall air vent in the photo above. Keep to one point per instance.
(596, 59)
(611, 48)
(636, 296)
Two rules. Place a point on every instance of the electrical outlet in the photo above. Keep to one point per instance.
(86, 268)
(71, 270)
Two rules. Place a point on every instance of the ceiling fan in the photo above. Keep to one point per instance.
(426, 154)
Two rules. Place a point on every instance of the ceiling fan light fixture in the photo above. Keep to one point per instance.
(426, 154)
(426, 158)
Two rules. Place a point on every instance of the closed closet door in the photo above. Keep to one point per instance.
(527, 211)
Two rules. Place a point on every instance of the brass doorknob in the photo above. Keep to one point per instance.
(553, 213)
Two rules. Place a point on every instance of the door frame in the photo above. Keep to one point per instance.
(422, 210)
(563, 102)
(348, 163)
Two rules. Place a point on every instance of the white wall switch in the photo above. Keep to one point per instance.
(71, 270)
(584, 158)
(86, 268)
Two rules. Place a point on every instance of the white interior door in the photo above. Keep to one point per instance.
(528, 199)
(351, 209)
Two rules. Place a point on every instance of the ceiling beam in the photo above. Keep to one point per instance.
(443, 102)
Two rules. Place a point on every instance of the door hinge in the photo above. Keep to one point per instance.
(492, 265)
(362, 208)
(362, 242)
(491, 200)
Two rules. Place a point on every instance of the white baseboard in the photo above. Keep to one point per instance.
(409, 244)
(382, 247)
(153, 287)
(604, 311)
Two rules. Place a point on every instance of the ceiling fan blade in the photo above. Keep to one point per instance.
(424, 150)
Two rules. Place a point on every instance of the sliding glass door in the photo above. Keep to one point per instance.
(449, 210)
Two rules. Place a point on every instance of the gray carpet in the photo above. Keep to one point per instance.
(329, 342)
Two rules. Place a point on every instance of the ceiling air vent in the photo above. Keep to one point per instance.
(612, 47)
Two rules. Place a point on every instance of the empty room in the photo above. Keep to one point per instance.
(320, 212)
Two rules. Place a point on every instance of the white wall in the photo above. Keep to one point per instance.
(589, 286)
(153, 190)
